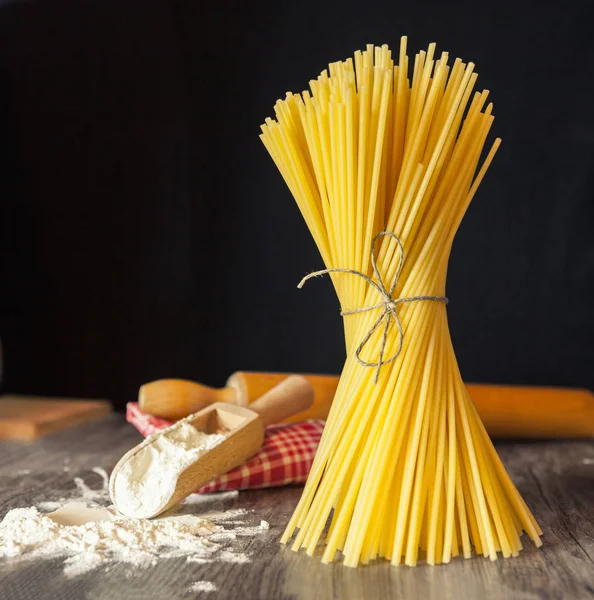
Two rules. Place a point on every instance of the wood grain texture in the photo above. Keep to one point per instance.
(555, 478)
(30, 417)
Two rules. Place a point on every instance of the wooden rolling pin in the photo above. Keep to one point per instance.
(506, 410)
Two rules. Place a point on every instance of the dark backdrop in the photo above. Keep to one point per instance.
(146, 233)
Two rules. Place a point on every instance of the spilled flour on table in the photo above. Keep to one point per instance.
(87, 537)
(86, 493)
(203, 586)
(88, 533)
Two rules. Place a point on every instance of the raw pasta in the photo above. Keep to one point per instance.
(405, 469)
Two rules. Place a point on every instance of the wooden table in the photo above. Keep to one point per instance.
(555, 478)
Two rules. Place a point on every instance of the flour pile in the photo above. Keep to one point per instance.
(91, 536)
(88, 536)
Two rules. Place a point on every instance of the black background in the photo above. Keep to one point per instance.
(146, 233)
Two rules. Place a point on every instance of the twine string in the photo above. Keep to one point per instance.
(388, 304)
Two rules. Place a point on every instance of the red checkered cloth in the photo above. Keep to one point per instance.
(285, 456)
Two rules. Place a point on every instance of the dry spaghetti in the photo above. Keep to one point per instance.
(405, 468)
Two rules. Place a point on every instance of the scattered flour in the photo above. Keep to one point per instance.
(198, 560)
(89, 535)
(50, 506)
(104, 476)
(223, 536)
(147, 479)
(195, 499)
(227, 515)
(234, 557)
(203, 586)
(86, 493)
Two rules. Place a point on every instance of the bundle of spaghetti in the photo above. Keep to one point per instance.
(405, 469)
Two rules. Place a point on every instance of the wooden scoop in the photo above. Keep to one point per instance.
(244, 430)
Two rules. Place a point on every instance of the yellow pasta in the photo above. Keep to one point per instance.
(405, 470)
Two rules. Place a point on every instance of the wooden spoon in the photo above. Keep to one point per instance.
(244, 435)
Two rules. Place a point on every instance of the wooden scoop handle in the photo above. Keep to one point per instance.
(293, 395)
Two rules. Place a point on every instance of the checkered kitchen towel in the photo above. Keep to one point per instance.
(285, 457)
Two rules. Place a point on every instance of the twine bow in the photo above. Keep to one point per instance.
(388, 304)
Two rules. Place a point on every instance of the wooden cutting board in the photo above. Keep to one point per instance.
(30, 417)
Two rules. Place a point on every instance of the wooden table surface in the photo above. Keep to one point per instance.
(555, 478)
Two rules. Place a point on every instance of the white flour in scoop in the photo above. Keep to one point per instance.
(147, 480)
